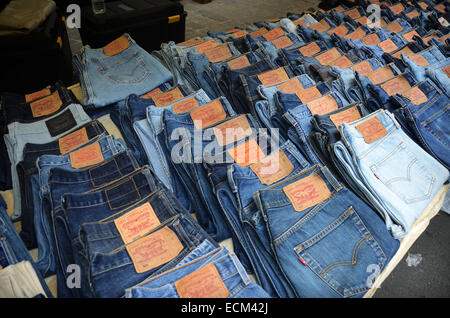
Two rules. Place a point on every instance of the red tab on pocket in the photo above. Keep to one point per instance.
(157, 91)
(323, 105)
(415, 95)
(168, 97)
(205, 46)
(118, 45)
(72, 141)
(282, 42)
(273, 77)
(185, 105)
(273, 34)
(219, 53)
(307, 192)
(290, 87)
(372, 130)
(86, 156)
(33, 96)
(208, 114)
(232, 130)
(396, 85)
(308, 94)
(238, 63)
(203, 283)
(328, 56)
(137, 222)
(259, 32)
(273, 168)
(346, 116)
(387, 46)
(363, 68)
(46, 105)
(310, 49)
(371, 39)
(381, 75)
(246, 153)
(154, 250)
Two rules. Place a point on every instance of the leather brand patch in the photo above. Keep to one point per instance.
(185, 105)
(61, 123)
(115, 47)
(406, 50)
(364, 68)
(371, 39)
(353, 13)
(239, 34)
(358, 34)
(419, 60)
(415, 95)
(409, 35)
(73, 140)
(387, 46)
(238, 63)
(137, 222)
(203, 283)
(380, 75)
(394, 27)
(446, 70)
(340, 30)
(273, 77)
(372, 130)
(219, 53)
(86, 156)
(46, 105)
(232, 130)
(246, 153)
(168, 97)
(320, 27)
(423, 5)
(323, 105)
(259, 32)
(307, 192)
(33, 96)
(328, 56)
(310, 49)
(154, 250)
(308, 94)
(191, 42)
(282, 42)
(412, 14)
(273, 168)
(397, 9)
(273, 34)
(291, 86)
(232, 31)
(201, 48)
(396, 85)
(208, 114)
(341, 62)
(346, 116)
(157, 91)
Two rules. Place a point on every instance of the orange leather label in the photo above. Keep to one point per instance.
(33, 96)
(323, 105)
(428, 38)
(273, 77)
(419, 60)
(232, 130)
(46, 105)
(291, 86)
(446, 69)
(259, 32)
(168, 97)
(362, 20)
(412, 14)
(341, 62)
(358, 34)
(398, 8)
(328, 56)
(208, 114)
(440, 7)
(154, 250)
(340, 9)
(394, 27)
(205, 46)
(273, 34)
(372, 130)
(353, 13)
(363, 68)
(246, 153)
(218, 53)
(307, 192)
(203, 283)
(387, 46)
(310, 49)
(423, 5)
(73, 140)
(233, 31)
(308, 94)
(273, 168)
(380, 75)
(409, 35)
(153, 93)
(415, 95)
(282, 42)
(191, 42)
(445, 37)
(396, 85)
(406, 50)
(371, 39)
(238, 63)
(346, 116)
(115, 47)
(273, 20)
(239, 33)
(137, 222)
(340, 30)
(185, 105)
(301, 22)
(86, 156)
(320, 27)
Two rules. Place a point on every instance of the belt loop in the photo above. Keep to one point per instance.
(334, 182)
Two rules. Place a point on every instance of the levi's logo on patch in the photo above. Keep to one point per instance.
(307, 192)
(380, 75)
(201, 48)
(346, 116)
(363, 68)
(358, 34)
(419, 60)
(259, 32)
(308, 94)
(137, 222)
(282, 42)
(301, 22)
(354, 14)
(86, 156)
(238, 63)
(396, 85)
(423, 5)
(320, 27)
(394, 27)
(415, 95)
(291, 86)
(273, 168)
(273, 77)
(341, 62)
(340, 30)
(412, 14)
(323, 105)
(246, 153)
(185, 105)
(168, 97)
(372, 130)
(153, 93)
(273, 34)
(387, 46)
(203, 283)
(208, 114)
(73, 140)
(218, 53)
(398, 8)
(239, 34)
(191, 42)
(310, 49)
(33, 96)
(154, 249)
(371, 39)
(232, 130)
(118, 45)
(46, 105)
(328, 56)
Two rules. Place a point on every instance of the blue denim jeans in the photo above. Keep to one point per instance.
(418, 63)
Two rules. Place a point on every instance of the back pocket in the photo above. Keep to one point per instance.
(343, 254)
(404, 174)
(437, 125)
(125, 69)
